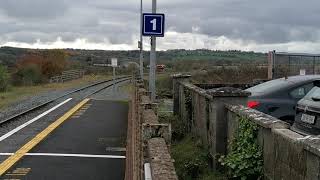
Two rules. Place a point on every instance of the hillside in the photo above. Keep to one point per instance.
(9, 55)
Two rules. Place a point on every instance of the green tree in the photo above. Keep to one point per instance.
(4, 79)
(28, 75)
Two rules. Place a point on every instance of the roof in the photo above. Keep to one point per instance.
(282, 83)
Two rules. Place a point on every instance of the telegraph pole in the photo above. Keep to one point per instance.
(152, 73)
(141, 41)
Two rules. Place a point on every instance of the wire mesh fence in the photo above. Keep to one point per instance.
(282, 64)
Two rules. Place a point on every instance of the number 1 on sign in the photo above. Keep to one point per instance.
(154, 24)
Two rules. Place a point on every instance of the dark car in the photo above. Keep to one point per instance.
(279, 97)
(307, 120)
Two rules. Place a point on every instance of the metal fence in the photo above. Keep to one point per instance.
(281, 64)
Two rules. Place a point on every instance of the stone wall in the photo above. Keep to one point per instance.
(287, 155)
(203, 112)
(214, 117)
(148, 140)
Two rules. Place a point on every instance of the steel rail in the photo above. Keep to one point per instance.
(12, 117)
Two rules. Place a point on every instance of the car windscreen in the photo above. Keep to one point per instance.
(268, 86)
(313, 93)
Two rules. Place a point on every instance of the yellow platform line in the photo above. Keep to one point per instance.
(8, 163)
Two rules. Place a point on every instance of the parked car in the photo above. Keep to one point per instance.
(279, 97)
(307, 120)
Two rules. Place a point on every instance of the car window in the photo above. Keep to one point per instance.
(301, 91)
(308, 87)
(315, 92)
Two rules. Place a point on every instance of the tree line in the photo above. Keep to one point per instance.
(34, 67)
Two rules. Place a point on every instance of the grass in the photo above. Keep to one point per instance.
(128, 88)
(16, 94)
(192, 160)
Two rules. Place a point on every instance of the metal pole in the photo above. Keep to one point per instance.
(114, 79)
(141, 41)
(314, 65)
(152, 73)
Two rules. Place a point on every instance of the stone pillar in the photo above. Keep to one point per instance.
(218, 123)
(176, 90)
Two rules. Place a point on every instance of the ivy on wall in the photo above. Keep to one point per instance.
(189, 108)
(245, 160)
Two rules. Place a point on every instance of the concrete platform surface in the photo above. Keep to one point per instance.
(89, 145)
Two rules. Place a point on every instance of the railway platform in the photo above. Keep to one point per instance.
(86, 141)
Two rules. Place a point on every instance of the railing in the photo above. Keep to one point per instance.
(67, 76)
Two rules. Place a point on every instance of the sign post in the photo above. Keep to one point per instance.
(153, 25)
(114, 64)
(141, 41)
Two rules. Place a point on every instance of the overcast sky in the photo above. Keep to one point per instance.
(258, 25)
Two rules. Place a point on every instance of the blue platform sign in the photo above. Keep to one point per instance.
(153, 24)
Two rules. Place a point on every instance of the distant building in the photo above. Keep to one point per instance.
(161, 67)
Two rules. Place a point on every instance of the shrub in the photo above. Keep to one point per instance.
(245, 158)
(178, 127)
(164, 86)
(54, 62)
(28, 75)
(191, 159)
(4, 79)
(49, 62)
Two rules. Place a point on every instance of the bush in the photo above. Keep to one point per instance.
(191, 159)
(245, 158)
(164, 86)
(241, 74)
(4, 79)
(28, 75)
(178, 127)
(49, 62)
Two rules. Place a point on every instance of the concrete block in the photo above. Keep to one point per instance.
(312, 144)
(297, 158)
(281, 148)
(313, 166)
(296, 175)
(268, 150)
(285, 172)
(282, 172)
(277, 171)
(258, 117)
(233, 125)
(283, 139)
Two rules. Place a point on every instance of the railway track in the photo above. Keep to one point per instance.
(108, 83)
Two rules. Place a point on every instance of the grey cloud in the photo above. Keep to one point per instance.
(273, 21)
(257, 20)
(34, 9)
